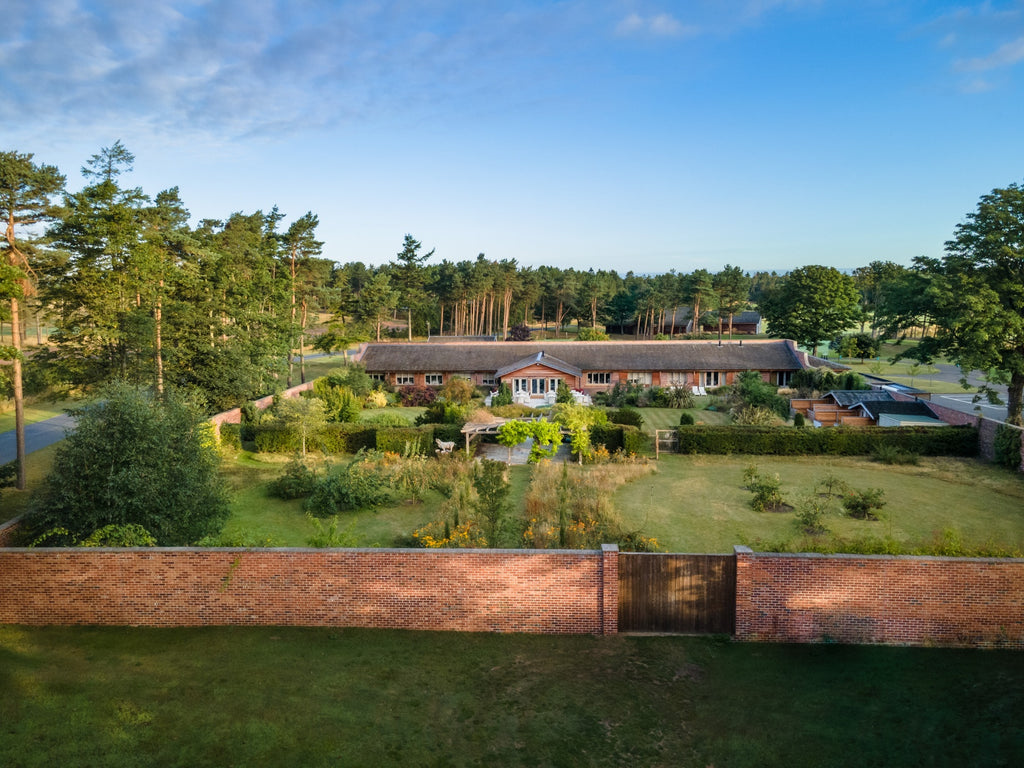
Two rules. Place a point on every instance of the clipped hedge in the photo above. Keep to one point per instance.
(231, 436)
(608, 436)
(829, 441)
(347, 438)
(633, 440)
(419, 441)
(448, 433)
(274, 438)
(332, 439)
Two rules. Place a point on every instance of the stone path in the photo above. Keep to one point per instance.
(520, 454)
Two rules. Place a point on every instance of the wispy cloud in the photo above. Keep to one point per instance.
(1005, 55)
(656, 25)
(243, 67)
(986, 37)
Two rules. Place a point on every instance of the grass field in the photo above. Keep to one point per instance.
(40, 411)
(699, 504)
(14, 502)
(329, 697)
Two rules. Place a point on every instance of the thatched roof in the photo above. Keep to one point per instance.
(469, 357)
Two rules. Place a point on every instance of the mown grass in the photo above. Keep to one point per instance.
(37, 411)
(699, 503)
(14, 502)
(326, 697)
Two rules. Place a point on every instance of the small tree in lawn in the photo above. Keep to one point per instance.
(864, 505)
(513, 433)
(304, 417)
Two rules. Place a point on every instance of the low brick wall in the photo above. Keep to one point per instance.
(452, 590)
(806, 598)
(234, 416)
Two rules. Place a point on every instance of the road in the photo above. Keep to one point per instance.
(37, 436)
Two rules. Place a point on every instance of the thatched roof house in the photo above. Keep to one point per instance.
(537, 366)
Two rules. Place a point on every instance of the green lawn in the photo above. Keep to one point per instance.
(14, 502)
(699, 504)
(40, 411)
(668, 418)
(328, 697)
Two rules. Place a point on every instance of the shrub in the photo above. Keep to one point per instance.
(376, 399)
(297, 481)
(440, 412)
(1008, 447)
(626, 415)
(686, 419)
(340, 403)
(754, 416)
(767, 492)
(634, 442)
(799, 420)
(863, 504)
(810, 514)
(356, 485)
(564, 394)
(520, 332)
(591, 334)
(457, 390)
(134, 458)
(354, 377)
(416, 396)
(894, 454)
(230, 437)
(129, 535)
(504, 396)
(832, 485)
(606, 436)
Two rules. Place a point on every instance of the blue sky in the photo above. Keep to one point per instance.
(609, 133)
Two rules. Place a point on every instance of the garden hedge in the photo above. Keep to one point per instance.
(829, 441)
(633, 440)
(333, 438)
(608, 436)
(231, 436)
(418, 441)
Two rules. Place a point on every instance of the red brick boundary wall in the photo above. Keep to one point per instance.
(234, 416)
(452, 590)
(807, 598)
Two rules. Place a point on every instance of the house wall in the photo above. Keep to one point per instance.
(556, 592)
(803, 598)
(542, 372)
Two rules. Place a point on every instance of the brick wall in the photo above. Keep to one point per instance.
(234, 416)
(452, 590)
(806, 598)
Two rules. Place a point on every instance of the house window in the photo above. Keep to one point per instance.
(520, 385)
(434, 379)
(487, 381)
(783, 378)
(404, 380)
(673, 378)
(711, 378)
(381, 377)
(641, 378)
(600, 377)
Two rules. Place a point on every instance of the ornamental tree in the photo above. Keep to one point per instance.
(975, 295)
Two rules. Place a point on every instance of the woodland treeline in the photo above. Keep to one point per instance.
(133, 292)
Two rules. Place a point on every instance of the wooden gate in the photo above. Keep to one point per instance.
(677, 593)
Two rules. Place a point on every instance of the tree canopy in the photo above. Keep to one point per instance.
(135, 459)
(975, 294)
(810, 305)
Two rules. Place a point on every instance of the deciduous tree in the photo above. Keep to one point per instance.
(811, 304)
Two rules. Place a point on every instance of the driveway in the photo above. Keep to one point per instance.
(38, 435)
